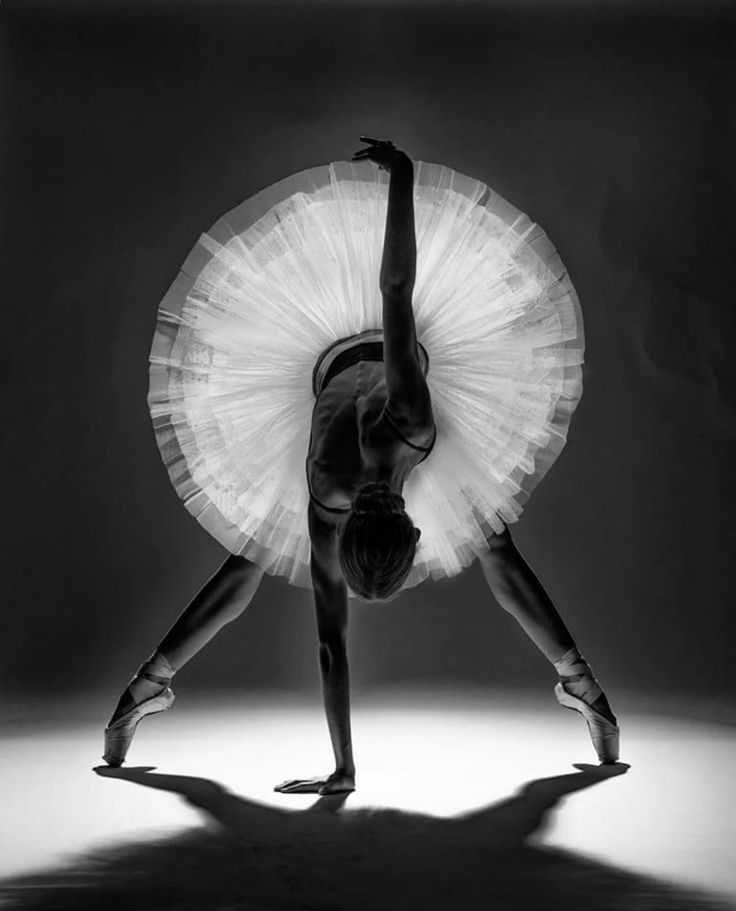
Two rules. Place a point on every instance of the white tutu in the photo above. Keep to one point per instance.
(295, 268)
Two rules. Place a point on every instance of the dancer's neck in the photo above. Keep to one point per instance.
(386, 473)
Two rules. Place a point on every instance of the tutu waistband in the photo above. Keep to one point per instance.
(363, 346)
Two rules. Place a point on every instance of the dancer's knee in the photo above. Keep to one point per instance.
(497, 562)
(243, 579)
(243, 571)
(500, 546)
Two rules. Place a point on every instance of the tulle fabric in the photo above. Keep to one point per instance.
(293, 269)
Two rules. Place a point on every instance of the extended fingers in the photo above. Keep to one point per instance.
(287, 785)
(300, 786)
(384, 142)
(376, 146)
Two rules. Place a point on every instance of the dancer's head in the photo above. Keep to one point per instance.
(377, 543)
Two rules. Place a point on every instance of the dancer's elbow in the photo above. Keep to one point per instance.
(397, 286)
(332, 651)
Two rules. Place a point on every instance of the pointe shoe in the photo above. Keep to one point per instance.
(119, 734)
(603, 733)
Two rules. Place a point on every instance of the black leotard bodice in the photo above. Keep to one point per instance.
(366, 350)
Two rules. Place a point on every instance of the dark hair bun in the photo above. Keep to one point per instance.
(377, 499)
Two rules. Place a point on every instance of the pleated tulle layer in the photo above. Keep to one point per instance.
(291, 270)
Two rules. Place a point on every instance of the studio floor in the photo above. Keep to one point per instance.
(465, 799)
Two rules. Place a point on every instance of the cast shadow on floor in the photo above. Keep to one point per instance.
(260, 858)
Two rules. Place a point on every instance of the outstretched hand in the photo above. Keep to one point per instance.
(381, 152)
(327, 784)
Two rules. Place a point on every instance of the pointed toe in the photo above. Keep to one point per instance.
(119, 735)
(604, 734)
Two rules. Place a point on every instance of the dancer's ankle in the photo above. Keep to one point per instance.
(151, 678)
(572, 665)
(156, 668)
(579, 680)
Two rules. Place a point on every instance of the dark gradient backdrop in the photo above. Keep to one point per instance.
(131, 128)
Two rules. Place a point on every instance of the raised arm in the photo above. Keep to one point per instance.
(408, 395)
(331, 604)
(399, 261)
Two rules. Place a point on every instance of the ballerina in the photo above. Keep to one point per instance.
(372, 422)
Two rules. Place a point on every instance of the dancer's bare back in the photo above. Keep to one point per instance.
(352, 438)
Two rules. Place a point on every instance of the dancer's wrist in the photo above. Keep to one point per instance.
(402, 165)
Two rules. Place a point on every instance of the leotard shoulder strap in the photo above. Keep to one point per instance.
(425, 449)
(339, 509)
